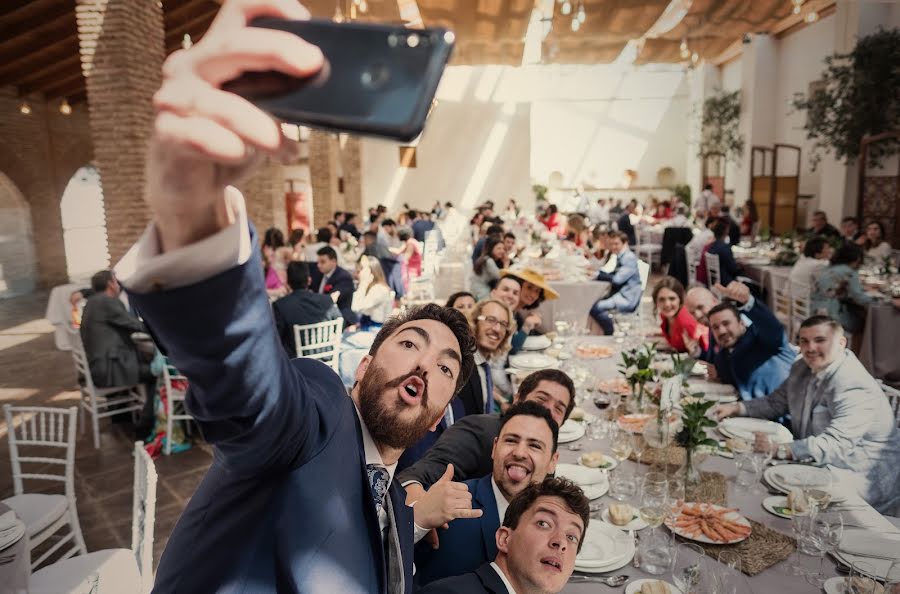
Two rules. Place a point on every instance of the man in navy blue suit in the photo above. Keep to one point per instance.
(299, 497)
(331, 278)
(524, 453)
(536, 545)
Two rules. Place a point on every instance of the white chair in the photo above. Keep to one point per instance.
(116, 571)
(646, 249)
(101, 402)
(45, 431)
(781, 302)
(320, 341)
(713, 272)
(174, 396)
(800, 307)
(893, 396)
(692, 265)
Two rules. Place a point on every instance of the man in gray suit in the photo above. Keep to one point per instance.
(840, 416)
(106, 329)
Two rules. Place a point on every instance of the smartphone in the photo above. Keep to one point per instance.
(378, 80)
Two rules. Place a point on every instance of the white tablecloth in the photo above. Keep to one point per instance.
(574, 303)
(59, 312)
(14, 574)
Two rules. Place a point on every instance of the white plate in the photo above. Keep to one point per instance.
(603, 545)
(609, 463)
(581, 475)
(568, 437)
(733, 516)
(635, 524)
(11, 536)
(635, 586)
(629, 555)
(536, 343)
(532, 361)
(595, 491)
(774, 503)
(785, 477)
(745, 427)
(834, 585)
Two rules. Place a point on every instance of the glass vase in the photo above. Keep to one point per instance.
(691, 467)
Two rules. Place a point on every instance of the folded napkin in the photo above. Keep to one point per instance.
(7, 520)
(870, 544)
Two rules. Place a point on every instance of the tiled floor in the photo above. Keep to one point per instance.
(34, 373)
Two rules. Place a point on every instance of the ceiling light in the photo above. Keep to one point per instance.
(186, 41)
(812, 17)
(25, 109)
(581, 15)
(695, 57)
(576, 25)
(566, 8)
(797, 4)
(65, 108)
(683, 49)
(338, 15)
(362, 5)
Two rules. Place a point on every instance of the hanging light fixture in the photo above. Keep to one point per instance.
(186, 41)
(338, 13)
(695, 57)
(812, 17)
(25, 108)
(65, 108)
(683, 49)
(797, 5)
(576, 25)
(581, 14)
(566, 8)
(361, 5)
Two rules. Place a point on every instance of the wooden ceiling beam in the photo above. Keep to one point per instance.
(195, 28)
(34, 18)
(71, 87)
(188, 11)
(60, 71)
(64, 80)
(9, 7)
(23, 64)
(31, 41)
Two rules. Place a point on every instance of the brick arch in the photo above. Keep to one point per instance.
(17, 261)
(13, 168)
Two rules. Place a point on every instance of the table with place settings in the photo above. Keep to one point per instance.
(15, 558)
(608, 553)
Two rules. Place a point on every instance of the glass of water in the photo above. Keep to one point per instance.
(690, 572)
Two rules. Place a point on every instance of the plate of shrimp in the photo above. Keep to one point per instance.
(711, 524)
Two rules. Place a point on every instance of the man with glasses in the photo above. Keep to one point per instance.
(493, 323)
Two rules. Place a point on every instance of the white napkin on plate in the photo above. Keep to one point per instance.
(7, 520)
(870, 544)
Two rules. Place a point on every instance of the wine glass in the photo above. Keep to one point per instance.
(621, 443)
(690, 568)
(729, 575)
(828, 529)
(799, 520)
(817, 484)
(676, 496)
(654, 502)
(638, 445)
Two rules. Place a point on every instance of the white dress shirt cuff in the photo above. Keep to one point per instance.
(146, 268)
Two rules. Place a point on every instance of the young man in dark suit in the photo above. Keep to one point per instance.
(299, 496)
(300, 307)
(523, 453)
(536, 545)
(331, 278)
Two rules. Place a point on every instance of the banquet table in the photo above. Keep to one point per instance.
(14, 573)
(766, 275)
(575, 301)
(748, 500)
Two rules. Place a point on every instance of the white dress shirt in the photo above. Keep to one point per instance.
(500, 498)
(373, 456)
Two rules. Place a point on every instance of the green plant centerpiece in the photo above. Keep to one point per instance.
(858, 95)
(636, 367)
(693, 433)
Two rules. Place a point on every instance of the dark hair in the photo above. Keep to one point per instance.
(100, 280)
(552, 209)
(541, 295)
(297, 275)
(814, 245)
(531, 381)
(373, 218)
(532, 409)
(273, 238)
(620, 235)
(707, 187)
(818, 320)
(296, 236)
(569, 492)
(323, 235)
(868, 244)
(509, 234)
(337, 213)
(671, 283)
(371, 234)
(724, 306)
(451, 300)
(412, 214)
(820, 212)
(494, 230)
(453, 319)
(850, 220)
(403, 233)
(388, 222)
(348, 217)
(849, 253)
(328, 252)
(720, 229)
(489, 244)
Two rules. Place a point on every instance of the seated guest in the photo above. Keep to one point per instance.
(534, 291)
(330, 278)
(696, 247)
(681, 330)
(487, 267)
(372, 299)
(821, 226)
(507, 291)
(750, 218)
(553, 221)
(112, 356)
(523, 453)
(680, 219)
(467, 444)
(625, 295)
(276, 275)
(837, 292)
(410, 256)
(462, 301)
(509, 240)
(754, 359)
(734, 229)
(349, 225)
(850, 232)
(297, 240)
(699, 301)
(492, 231)
(372, 247)
(323, 238)
(492, 324)
(624, 223)
(874, 245)
(816, 253)
(840, 417)
(537, 543)
(300, 307)
(728, 266)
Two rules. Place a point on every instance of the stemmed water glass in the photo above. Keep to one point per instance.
(828, 529)
(690, 573)
(621, 442)
(654, 499)
(817, 486)
(638, 445)
(676, 496)
(728, 576)
(799, 525)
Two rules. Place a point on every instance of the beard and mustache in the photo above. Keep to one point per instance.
(381, 413)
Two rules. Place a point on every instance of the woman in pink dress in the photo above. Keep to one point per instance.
(410, 256)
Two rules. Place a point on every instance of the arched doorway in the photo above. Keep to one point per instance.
(17, 261)
(84, 225)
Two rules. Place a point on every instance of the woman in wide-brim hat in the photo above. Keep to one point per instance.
(534, 291)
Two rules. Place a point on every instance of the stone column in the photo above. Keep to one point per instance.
(122, 50)
(324, 171)
(264, 196)
(350, 153)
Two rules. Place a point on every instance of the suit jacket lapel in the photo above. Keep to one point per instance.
(490, 519)
(372, 525)
(490, 580)
(401, 519)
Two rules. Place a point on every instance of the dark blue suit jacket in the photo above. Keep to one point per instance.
(342, 281)
(286, 505)
(482, 581)
(728, 266)
(467, 544)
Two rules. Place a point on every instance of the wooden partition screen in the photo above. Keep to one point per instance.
(879, 189)
(785, 187)
(762, 165)
(714, 173)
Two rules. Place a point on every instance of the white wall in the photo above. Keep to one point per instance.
(496, 130)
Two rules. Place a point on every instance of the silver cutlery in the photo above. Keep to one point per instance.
(613, 581)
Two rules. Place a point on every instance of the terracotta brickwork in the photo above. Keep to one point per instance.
(264, 196)
(324, 173)
(350, 151)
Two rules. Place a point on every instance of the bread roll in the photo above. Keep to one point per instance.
(797, 501)
(654, 587)
(593, 459)
(620, 513)
(577, 414)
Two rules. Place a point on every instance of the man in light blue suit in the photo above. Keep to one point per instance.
(625, 295)
(524, 453)
(300, 496)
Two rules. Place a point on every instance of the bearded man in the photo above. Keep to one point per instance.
(300, 496)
